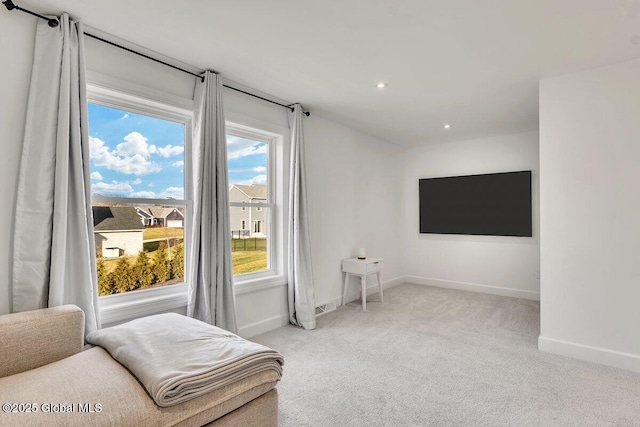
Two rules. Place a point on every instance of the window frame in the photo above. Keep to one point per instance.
(277, 171)
(113, 93)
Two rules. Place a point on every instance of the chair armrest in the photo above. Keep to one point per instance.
(31, 339)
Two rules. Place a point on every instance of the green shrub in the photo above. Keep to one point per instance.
(143, 270)
(105, 282)
(123, 276)
(177, 262)
(161, 267)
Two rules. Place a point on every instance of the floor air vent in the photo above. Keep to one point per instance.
(325, 308)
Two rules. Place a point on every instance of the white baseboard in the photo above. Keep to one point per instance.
(617, 359)
(263, 326)
(392, 283)
(473, 287)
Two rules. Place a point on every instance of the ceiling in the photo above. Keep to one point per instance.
(473, 64)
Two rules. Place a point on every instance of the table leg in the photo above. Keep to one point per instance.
(344, 292)
(363, 279)
(380, 287)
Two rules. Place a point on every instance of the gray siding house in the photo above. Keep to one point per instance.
(248, 221)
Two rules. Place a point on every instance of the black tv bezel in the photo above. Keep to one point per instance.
(530, 172)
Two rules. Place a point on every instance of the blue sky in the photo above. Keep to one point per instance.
(133, 155)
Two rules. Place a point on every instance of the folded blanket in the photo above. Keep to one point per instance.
(178, 358)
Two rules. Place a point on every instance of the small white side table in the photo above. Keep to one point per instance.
(361, 268)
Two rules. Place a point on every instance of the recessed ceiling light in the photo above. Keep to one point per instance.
(447, 126)
(381, 85)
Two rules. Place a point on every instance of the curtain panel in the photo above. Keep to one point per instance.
(54, 249)
(209, 274)
(302, 309)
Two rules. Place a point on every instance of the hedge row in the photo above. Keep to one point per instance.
(143, 273)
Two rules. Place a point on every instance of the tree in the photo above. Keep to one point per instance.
(105, 282)
(143, 270)
(161, 267)
(177, 262)
(123, 276)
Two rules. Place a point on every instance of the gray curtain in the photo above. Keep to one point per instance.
(302, 311)
(54, 249)
(209, 274)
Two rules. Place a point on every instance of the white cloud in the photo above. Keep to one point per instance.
(137, 181)
(126, 116)
(172, 192)
(96, 175)
(260, 169)
(114, 188)
(135, 143)
(124, 158)
(258, 179)
(178, 164)
(170, 150)
(239, 147)
(144, 194)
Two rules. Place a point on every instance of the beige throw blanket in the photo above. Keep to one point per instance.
(178, 358)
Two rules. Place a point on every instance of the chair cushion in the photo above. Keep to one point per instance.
(93, 389)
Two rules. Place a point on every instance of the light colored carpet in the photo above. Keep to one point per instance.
(433, 356)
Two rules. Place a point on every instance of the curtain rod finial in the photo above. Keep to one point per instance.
(9, 4)
(53, 23)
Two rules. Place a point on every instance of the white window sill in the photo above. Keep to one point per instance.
(147, 302)
(131, 305)
(245, 285)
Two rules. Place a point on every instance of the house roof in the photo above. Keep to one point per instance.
(161, 211)
(112, 218)
(144, 212)
(254, 191)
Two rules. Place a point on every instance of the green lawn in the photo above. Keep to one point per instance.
(162, 233)
(248, 255)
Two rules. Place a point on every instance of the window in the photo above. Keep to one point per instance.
(137, 162)
(255, 183)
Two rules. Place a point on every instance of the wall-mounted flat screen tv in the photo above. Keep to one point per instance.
(497, 204)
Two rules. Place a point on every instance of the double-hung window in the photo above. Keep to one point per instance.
(139, 158)
(255, 202)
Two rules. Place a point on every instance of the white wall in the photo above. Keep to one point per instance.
(590, 215)
(494, 264)
(355, 200)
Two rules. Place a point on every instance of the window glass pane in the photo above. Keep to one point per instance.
(248, 183)
(133, 155)
(249, 247)
(138, 246)
(247, 161)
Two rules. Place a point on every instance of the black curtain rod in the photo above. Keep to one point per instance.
(54, 23)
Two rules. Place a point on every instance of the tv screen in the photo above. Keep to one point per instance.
(497, 204)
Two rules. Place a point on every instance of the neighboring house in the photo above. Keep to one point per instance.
(118, 230)
(161, 216)
(145, 217)
(248, 221)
